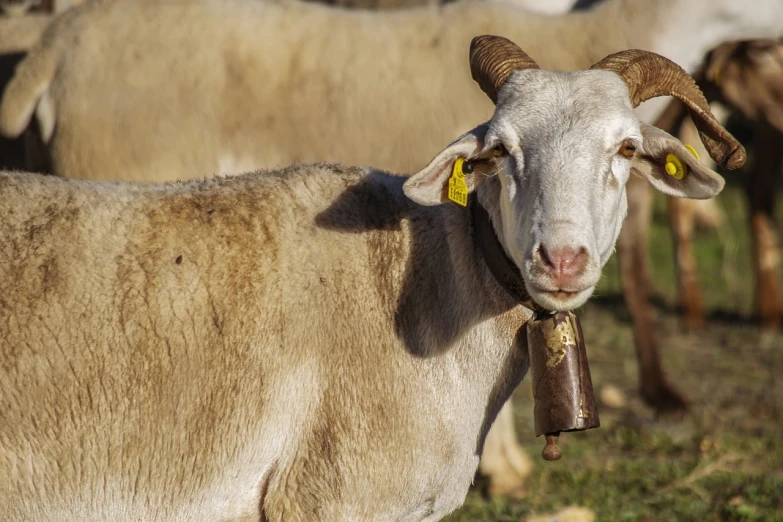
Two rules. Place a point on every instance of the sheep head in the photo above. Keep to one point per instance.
(551, 165)
(748, 77)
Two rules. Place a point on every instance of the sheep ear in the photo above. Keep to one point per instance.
(672, 168)
(430, 185)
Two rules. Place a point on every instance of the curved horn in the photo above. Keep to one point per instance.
(649, 75)
(493, 59)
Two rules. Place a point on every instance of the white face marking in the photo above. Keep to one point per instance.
(562, 199)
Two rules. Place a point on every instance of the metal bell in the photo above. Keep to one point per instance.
(562, 388)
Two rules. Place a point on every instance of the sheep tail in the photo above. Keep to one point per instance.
(28, 89)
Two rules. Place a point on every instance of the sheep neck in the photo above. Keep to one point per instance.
(500, 265)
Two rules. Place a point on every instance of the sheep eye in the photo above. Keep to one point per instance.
(499, 150)
(627, 149)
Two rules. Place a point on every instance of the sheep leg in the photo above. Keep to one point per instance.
(635, 279)
(761, 190)
(503, 461)
(681, 220)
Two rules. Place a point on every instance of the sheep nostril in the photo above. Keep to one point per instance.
(563, 261)
(542, 253)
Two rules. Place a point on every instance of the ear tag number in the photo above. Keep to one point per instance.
(458, 189)
(675, 167)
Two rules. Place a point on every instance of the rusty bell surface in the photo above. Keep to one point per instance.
(562, 388)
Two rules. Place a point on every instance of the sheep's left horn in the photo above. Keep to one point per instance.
(493, 59)
(649, 75)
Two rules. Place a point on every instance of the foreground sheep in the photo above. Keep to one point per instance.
(268, 84)
(310, 344)
(124, 104)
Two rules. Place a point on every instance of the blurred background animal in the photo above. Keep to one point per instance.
(22, 7)
(747, 78)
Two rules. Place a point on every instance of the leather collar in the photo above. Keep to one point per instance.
(500, 265)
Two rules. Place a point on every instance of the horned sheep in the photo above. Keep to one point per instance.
(321, 342)
(305, 97)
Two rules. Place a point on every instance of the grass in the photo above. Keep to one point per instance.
(724, 461)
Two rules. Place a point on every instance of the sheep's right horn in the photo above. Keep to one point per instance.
(493, 59)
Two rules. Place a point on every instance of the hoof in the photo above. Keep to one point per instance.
(694, 322)
(667, 403)
(516, 490)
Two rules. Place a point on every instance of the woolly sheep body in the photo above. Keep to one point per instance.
(278, 342)
(143, 358)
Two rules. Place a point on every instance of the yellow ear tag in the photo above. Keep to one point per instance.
(718, 77)
(458, 189)
(692, 151)
(676, 168)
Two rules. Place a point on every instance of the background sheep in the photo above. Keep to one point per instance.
(750, 78)
(18, 34)
(747, 77)
(20, 7)
(342, 89)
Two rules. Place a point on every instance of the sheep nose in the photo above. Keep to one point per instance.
(564, 263)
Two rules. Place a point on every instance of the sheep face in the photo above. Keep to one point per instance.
(556, 195)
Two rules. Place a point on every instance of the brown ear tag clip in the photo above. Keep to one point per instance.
(562, 387)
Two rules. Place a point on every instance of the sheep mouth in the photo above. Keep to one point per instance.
(562, 295)
(559, 293)
(560, 300)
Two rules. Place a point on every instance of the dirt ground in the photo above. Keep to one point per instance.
(724, 461)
